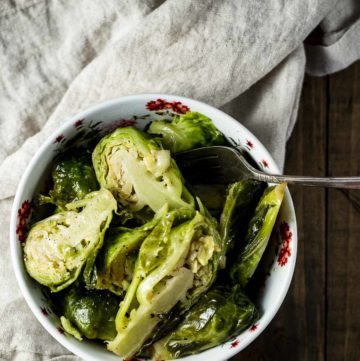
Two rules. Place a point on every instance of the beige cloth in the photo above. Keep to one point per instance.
(340, 40)
(59, 56)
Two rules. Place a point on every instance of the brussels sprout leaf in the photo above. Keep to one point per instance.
(187, 131)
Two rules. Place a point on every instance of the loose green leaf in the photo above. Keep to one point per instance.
(241, 200)
(187, 131)
(258, 234)
(70, 328)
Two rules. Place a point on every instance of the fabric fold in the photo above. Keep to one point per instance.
(211, 51)
(59, 57)
(329, 59)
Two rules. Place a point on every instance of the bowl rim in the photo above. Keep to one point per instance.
(49, 327)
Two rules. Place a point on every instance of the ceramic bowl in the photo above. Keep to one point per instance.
(138, 110)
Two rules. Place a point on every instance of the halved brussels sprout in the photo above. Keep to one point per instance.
(175, 265)
(116, 260)
(220, 314)
(258, 234)
(58, 247)
(187, 131)
(138, 172)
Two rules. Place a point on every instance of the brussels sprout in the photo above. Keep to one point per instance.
(116, 260)
(138, 172)
(58, 247)
(175, 265)
(89, 313)
(187, 131)
(73, 179)
(258, 234)
(241, 200)
(220, 314)
(200, 249)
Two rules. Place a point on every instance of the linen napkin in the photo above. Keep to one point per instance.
(59, 56)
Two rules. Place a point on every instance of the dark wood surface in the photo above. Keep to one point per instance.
(320, 317)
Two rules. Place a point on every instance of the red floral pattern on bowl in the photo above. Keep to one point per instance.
(249, 144)
(161, 104)
(23, 216)
(79, 123)
(285, 250)
(60, 138)
(235, 343)
(264, 163)
(254, 327)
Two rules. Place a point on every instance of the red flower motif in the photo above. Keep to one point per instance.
(250, 144)
(59, 138)
(120, 123)
(254, 327)
(161, 104)
(23, 214)
(265, 163)
(44, 311)
(79, 123)
(180, 108)
(235, 343)
(285, 250)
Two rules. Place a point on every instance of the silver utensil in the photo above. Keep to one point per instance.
(220, 164)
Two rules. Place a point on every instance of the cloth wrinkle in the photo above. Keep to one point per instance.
(59, 57)
(19, 8)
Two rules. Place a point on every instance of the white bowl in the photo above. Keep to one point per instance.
(139, 110)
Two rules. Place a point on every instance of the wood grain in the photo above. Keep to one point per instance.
(320, 318)
(298, 329)
(343, 223)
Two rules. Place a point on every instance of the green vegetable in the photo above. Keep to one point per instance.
(204, 276)
(241, 200)
(116, 260)
(126, 228)
(258, 234)
(175, 264)
(70, 328)
(220, 314)
(60, 246)
(89, 313)
(187, 131)
(138, 172)
(73, 179)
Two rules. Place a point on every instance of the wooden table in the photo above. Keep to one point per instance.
(320, 317)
